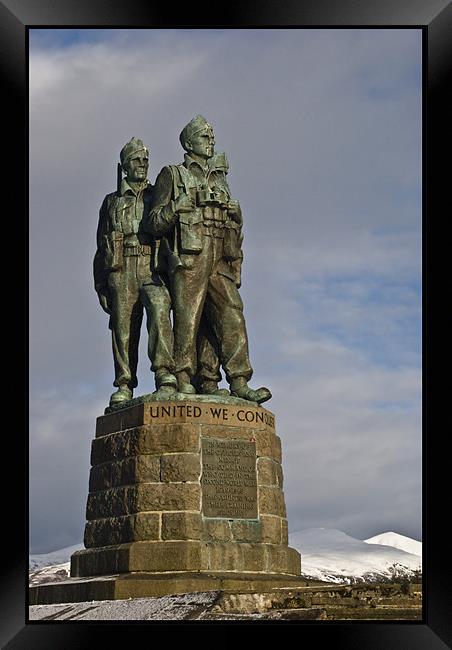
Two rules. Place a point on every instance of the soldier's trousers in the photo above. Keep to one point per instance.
(199, 289)
(131, 289)
(208, 354)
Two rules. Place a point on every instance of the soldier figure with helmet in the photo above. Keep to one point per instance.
(199, 225)
(126, 278)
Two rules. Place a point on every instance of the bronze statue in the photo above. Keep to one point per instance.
(199, 225)
(126, 278)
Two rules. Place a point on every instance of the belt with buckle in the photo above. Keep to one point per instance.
(141, 249)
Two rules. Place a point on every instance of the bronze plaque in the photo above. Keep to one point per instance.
(229, 485)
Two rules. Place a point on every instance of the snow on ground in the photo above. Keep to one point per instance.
(165, 608)
(397, 541)
(331, 555)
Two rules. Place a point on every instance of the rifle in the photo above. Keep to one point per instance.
(118, 179)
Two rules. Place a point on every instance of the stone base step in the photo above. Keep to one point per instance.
(142, 585)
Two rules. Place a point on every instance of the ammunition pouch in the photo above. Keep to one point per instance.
(114, 251)
(191, 231)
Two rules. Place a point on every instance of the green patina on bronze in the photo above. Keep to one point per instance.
(176, 246)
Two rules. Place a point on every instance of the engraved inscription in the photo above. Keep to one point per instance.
(168, 412)
(229, 485)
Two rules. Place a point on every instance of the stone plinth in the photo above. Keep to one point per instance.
(186, 486)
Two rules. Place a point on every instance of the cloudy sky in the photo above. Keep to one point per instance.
(323, 133)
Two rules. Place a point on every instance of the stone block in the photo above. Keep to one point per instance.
(277, 451)
(284, 532)
(143, 497)
(184, 496)
(181, 525)
(293, 561)
(222, 557)
(120, 530)
(138, 556)
(271, 529)
(271, 501)
(113, 559)
(180, 467)
(269, 472)
(268, 444)
(254, 557)
(216, 530)
(157, 439)
(282, 559)
(165, 556)
(135, 469)
(120, 420)
(245, 531)
(114, 502)
(276, 559)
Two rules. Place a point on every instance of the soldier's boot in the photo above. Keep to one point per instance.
(210, 387)
(123, 394)
(239, 388)
(165, 383)
(183, 383)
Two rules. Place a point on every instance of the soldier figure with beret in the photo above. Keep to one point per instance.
(126, 278)
(200, 226)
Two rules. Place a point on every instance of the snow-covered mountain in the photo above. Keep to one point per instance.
(331, 555)
(62, 556)
(398, 541)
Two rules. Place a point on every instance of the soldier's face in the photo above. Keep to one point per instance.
(203, 143)
(136, 169)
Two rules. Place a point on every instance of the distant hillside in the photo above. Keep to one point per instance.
(331, 555)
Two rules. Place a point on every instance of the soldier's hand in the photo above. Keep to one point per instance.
(104, 303)
(184, 203)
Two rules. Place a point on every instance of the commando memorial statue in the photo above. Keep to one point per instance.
(186, 483)
(182, 237)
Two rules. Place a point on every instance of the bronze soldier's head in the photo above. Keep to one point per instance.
(197, 137)
(135, 160)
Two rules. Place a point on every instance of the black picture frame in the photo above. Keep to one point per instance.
(435, 19)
